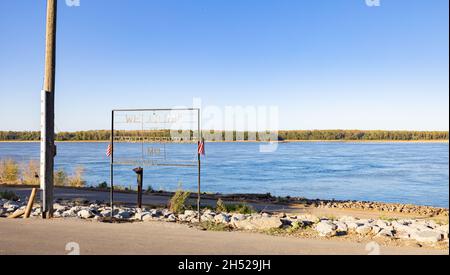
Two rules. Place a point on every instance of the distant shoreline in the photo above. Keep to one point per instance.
(250, 141)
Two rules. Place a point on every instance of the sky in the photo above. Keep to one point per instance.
(325, 64)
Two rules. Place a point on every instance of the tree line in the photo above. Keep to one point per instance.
(300, 135)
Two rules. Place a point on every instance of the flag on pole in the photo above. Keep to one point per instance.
(109, 150)
(201, 147)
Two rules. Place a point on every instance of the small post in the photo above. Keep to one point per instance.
(140, 177)
(30, 203)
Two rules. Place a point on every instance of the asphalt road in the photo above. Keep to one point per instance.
(63, 236)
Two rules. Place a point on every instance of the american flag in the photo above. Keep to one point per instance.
(109, 150)
(201, 147)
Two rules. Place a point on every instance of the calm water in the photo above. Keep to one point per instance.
(389, 172)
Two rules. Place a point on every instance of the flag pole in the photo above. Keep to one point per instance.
(112, 167)
(199, 168)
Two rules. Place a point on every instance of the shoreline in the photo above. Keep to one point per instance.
(273, 201)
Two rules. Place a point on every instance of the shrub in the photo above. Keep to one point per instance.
(30, 173)
(178, 202)
(150, 189)
(9, 195)
(103, 185)
(220, 206)
(9, 171)
(76, 180)
(60, 178)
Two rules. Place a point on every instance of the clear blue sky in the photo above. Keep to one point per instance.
(327, 64)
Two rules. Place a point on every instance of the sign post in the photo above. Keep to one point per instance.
(155, 133)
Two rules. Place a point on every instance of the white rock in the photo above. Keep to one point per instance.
(431, 224)
(59, 207)
(36, 211)
(124, 214)
(208, 217)
(419, 226)
(258, 223)
(347, 219)
(326, 229)
(308, 218)
(11, 206)
(238, 217)
(428, 236)
(385, 232)
(366, 221)
(85, 214)
(57, 214)
(376, 229)
(190, 213)
(171, 218)
(183, 217)
(382, 224)
(209, 212)
(140, 215)
(364, 229)
(222, 218)
(341, 226)
(166, 212)
(158, 213)
(105, 213)
(76, 209)
(403, 228)
(353, 225)
(444, 230)
(403, 235)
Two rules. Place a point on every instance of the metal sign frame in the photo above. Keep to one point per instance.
(198, 165)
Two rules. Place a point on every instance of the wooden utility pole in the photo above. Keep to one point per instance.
(48, 148)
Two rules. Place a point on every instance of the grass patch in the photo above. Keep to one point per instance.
(9, 195)
(298, 230)
(212, 226)
(388, 219)
(241, 208)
